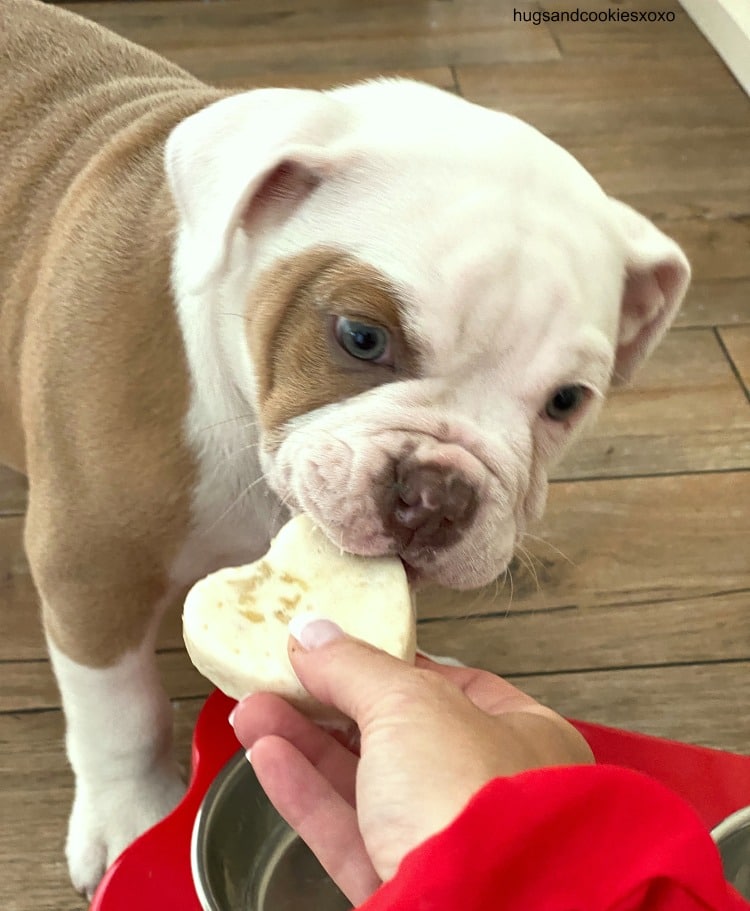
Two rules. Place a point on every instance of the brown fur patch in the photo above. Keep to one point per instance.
(299, 363)
(105, 390)
(94, 385)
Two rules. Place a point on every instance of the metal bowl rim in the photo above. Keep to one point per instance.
(734, 823)
(197, 839)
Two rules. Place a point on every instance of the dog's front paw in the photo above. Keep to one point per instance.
(108, 815)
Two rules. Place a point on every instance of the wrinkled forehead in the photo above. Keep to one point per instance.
(465, 224)
(461, 260)
(433, 332)
(477, 268)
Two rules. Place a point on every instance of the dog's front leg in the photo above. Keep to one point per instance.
(119, 720)
(119, 742)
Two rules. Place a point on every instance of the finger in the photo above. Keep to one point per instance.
(264, 713)
(319, 815)
(344, 672)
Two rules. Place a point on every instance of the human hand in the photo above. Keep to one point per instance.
(430, 737)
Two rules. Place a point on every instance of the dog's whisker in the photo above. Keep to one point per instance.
(238, 499)
(551, 547)
(527, 562)
(497, 587)
(282, 503)
(242, 316)
(483, 592)
(509, 574)
(469, 612)
(239, 417)
(496, 590)
(233, 453)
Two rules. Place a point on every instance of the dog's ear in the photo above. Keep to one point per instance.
(657, 275)
(246, 161)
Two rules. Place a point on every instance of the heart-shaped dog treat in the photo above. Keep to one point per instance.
(235, 621)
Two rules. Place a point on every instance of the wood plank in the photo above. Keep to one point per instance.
(683, 412)
(737, 341)
(31, 684)
(600, 456)
(636, 40)
(577, 639)
(651, 133)
(233, 76)
(19, 606)
(719, 302)
(711, 204)
(140, 14)
(12, 492)
(624, 541)
(678, 166)
(724, 199)
(703, 704)
(610, 96)
(717, 249)
(215, 38)
(39, 752)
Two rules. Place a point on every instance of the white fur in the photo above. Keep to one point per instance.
(234, 513)
(119, 742)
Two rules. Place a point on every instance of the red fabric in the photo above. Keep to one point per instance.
(584, 838)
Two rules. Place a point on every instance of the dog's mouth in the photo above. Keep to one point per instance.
(414, 576)
(419, 563)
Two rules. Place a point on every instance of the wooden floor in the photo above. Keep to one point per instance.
(637, 610)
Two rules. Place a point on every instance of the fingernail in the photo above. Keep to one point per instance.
(312, 632)
(231, 715)
(249, 757)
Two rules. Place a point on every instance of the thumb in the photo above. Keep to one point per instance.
(341, 671)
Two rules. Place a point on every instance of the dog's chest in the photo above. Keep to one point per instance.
(234, 513)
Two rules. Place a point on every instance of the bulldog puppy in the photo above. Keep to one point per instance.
(379, 305)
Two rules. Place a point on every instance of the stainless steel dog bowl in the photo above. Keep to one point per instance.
(246, 858)
(732, 837)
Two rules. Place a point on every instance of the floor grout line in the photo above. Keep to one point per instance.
(649, 474)
(665, 665)
(562, 608)
(48, 709)
(732, 365)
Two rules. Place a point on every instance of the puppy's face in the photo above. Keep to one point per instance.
(436, 298)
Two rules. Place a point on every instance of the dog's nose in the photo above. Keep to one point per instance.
(431, 506)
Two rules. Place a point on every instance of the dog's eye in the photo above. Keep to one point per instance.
(565, 401)
(368, 343)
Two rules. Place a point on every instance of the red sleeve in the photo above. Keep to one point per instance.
(582, 838)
